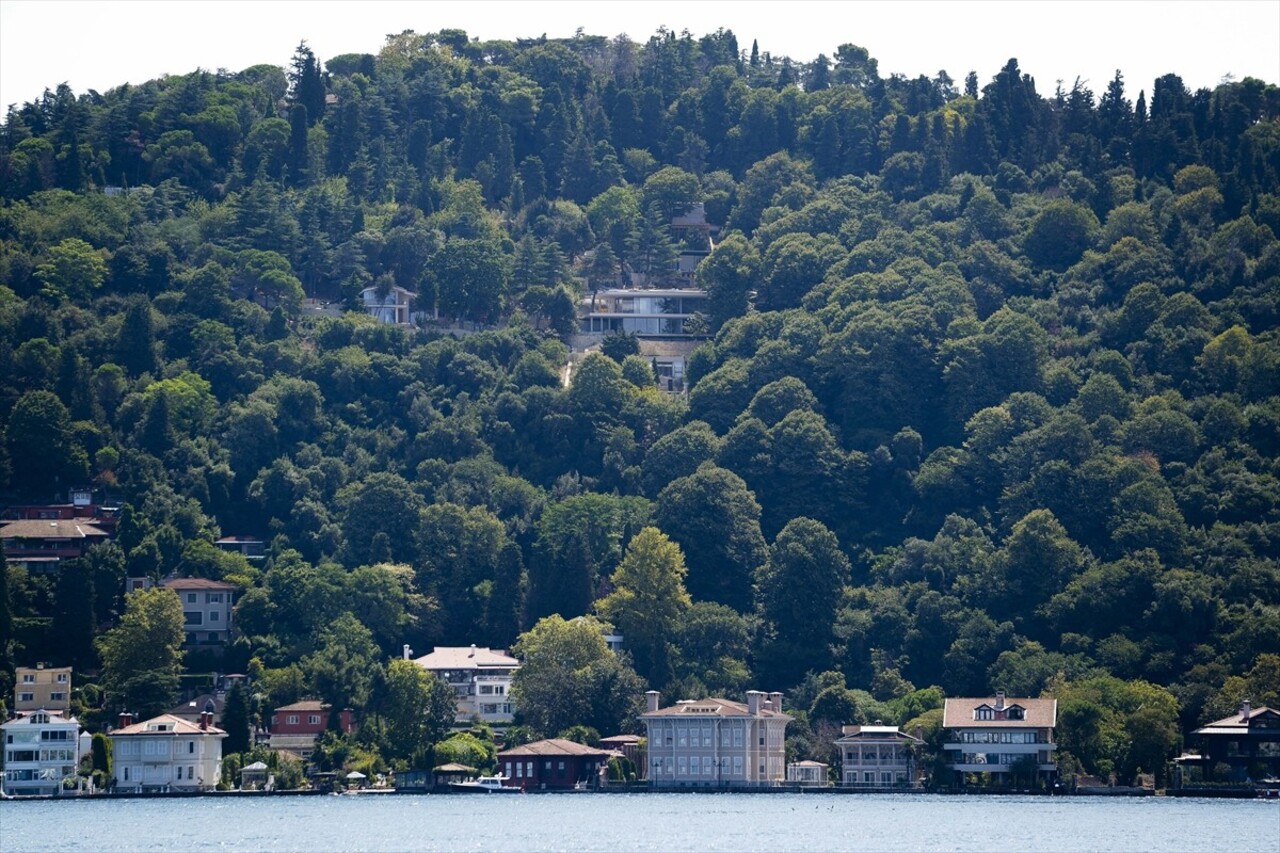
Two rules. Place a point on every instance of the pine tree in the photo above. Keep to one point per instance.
(306, 83)
(235, 721)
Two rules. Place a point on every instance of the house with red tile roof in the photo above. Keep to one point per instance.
(166, 753)
(553, 765)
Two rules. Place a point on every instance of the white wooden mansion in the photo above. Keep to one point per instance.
(166, 753)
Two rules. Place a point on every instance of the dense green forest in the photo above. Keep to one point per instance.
(992, 399)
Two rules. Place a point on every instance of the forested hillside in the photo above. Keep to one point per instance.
(992, 402)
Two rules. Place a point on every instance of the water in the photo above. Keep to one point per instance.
(640, 822)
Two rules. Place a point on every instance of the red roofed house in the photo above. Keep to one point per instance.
(166, 753)
(716, 742)
(1000, 736)
(41, 544)
(296, 727)
(553, 765)
(206, 610)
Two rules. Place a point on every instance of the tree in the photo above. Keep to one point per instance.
(42, 447)
(135, 348)
(1060, 233)
(417, 709)
(729, 274)
(306, 83)
(72, 270)
(471, 278)
(568, 676)
(382, 503)
(142, 655)
(648, 600)
(798, 592)
(235, 721)
(722, 566)
(74, 621)
(342, 668)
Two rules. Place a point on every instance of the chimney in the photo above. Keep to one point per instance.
(204, 720)
(473, 650)
(999, 700)
(753, 702)
(651, 701)
(126, 719)
(407, 652)
(775, 700)
(1245, 710)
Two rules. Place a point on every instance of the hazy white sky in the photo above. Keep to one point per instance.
(99, 44)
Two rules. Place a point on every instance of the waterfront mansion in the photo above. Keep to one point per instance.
(716, 742)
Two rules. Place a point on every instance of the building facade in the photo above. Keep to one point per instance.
(42, 688)
(644, 313)
(481, 677)
(877, 757)
(1241, 747)
(296, 727)
(716, 742)
(553, 765)
(206, 610)
(1000, 736)
(39, 545)
(394, 306)
(166, 753)
(41, 748)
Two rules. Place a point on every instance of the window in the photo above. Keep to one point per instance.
(313, 719)
(58, 697)
(193, 617)
(215, 616)
(62, 678)
(191, 747)
(292, 719)
(126, 774)
(869, 778)
(519, 769)
(26, 697)
(984, 713)
(737, 765)
(561, 768)
(28, 678)
(737, 737)
(191, 598)
(546, 766)
(213, 598)
(695, 765)
(682, 736)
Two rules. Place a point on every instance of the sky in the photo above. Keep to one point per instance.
(100, 44)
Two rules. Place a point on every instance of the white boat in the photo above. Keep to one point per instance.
(483, 785)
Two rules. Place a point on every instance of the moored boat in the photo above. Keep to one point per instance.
(483, 785)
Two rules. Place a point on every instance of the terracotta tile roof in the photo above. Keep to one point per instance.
(176, 726)
(1037, 713)
(70, 528)
(712, 706)
(197, 583)
(554, 747)
(466, 657)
